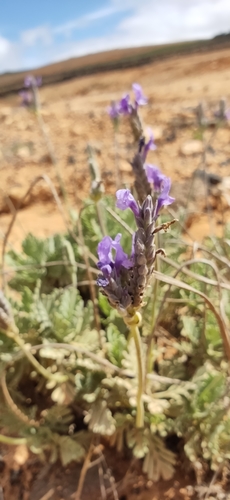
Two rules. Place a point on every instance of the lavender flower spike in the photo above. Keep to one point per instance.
(140, 99)
(125, 200)
(164, 198)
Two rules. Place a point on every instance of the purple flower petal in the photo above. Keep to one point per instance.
(104, 251)
(109, 260)
(140, 99)
(164, 198)
(126, 200)
(121, 258)
(124, 106)
(154, 176)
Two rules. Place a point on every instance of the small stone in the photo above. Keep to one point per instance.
(23, 152)
(125, 166)
(190, 148)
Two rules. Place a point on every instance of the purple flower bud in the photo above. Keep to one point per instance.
(154, 176)
(140, 99)
(164, 198)
(125, 200)
(33, 81)
(125, 107)
(113, 110)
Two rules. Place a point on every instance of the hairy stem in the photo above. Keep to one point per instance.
(134, 330)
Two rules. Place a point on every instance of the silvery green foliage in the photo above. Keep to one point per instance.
(187, 346)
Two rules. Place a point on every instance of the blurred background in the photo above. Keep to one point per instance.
(88, 54)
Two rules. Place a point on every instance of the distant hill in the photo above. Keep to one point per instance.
(107, 61)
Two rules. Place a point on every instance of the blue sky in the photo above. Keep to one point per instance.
(34, 33)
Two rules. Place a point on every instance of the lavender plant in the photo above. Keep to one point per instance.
(29, 95)
(124, 278)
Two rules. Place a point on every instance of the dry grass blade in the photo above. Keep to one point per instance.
(198, 277)
(180, 284)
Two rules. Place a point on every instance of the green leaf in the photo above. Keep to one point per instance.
(70, 450)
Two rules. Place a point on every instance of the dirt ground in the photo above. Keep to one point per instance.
(24, 477)
(75, 113)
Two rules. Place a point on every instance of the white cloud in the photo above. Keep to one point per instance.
(144, 22)
(9, 55)
(40, 34)
(4, 46)
(86, 20)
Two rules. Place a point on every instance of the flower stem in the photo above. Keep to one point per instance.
(134, 330)
(55, 377)
(100, 216)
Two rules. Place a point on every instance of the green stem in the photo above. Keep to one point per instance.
(100, 216)
(11, 440)
(134, 330)
(58, 378)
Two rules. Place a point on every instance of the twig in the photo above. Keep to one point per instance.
(172, 281)
(214, 477)
(48, 495)
(84, 472)
(101, 481)
(110, 477)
